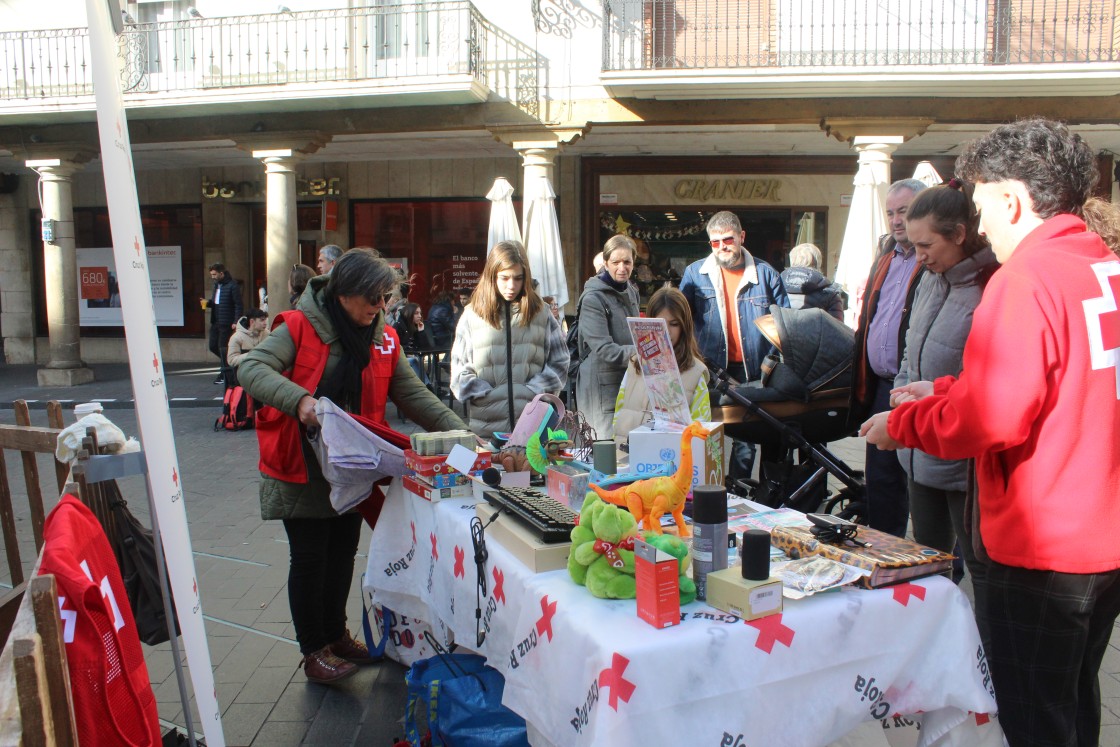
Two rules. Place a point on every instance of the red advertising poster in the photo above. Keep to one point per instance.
(95, 283)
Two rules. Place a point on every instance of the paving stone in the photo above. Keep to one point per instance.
(266, 685)
(282, 733)
(242, 721)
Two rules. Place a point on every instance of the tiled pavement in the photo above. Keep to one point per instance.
(242, 567)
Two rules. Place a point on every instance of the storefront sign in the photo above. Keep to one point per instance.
(706, 190)
(246, 189)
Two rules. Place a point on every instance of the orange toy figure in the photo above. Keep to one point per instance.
(650, 499)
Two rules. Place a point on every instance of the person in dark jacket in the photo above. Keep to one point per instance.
(415, 337)
(807, 287)
(225, 309)
(334, 344)
(441, 321)
(297, 281)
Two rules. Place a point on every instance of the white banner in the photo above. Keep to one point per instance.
(146, 366)
(99, 299)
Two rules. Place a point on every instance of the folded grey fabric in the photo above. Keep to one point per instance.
(352, 458)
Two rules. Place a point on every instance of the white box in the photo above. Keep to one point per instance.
(651, 450)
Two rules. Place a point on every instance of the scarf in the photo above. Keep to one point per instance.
(620, 287)
(344, 385)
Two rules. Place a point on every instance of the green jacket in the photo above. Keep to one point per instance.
(261, 373)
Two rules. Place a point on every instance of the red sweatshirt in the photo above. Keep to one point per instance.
(1038, 404)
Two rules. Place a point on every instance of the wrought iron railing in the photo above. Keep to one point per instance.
(393, 42)
(660, 34)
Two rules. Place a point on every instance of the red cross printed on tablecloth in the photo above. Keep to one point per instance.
(435, 550)
(413, 525)
(771, 631)
(544, 625)
(982, 718)
(499, 584)
(612, 678)
(903, 592)
(460, 572)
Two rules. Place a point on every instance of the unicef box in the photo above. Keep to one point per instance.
(651, 449)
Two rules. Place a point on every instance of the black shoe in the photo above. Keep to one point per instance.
(220, 380)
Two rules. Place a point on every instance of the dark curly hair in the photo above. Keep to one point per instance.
(1057, 166)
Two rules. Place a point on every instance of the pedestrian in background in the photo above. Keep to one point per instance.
(807, 287)
(225, 309)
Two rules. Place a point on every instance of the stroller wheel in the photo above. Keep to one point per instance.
(848, 504)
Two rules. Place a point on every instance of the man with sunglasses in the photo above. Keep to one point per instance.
(727, 291)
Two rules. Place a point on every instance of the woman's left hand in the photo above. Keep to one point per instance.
(306, 411)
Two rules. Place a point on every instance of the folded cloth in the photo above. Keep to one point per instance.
(109, 437)
(352, 458)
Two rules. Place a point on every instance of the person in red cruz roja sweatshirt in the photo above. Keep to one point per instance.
(1038, 405)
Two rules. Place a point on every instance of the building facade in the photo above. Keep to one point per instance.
(261, 136)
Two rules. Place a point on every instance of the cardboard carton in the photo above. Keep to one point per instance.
(750, 600)
(657, 576)
(568, 485)
(651, 449)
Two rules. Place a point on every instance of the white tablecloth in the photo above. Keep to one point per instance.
(586, 671)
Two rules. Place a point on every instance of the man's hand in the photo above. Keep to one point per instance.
(306, 411)
(912, 392)
(875, 431)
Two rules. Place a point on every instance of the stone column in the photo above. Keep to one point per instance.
(60, 266)
(874, 153)
(281, 242)
(537, 160)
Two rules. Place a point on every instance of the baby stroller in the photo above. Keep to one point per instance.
(800, 404)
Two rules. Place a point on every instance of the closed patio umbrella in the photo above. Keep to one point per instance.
(542, 240)
(927, 175)
(503, 217)
(867, 221)
(806, 229)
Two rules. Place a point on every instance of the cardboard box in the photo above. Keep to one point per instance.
(567, 484)
(750, 600)
(511, 534)
(447, 479)
(437, 465)
(657, 576)
(651, 450)
(416, 486)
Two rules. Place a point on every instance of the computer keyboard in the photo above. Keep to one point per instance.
(547, 518)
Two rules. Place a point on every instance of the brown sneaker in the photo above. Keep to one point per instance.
(325, 668)
(352, 651)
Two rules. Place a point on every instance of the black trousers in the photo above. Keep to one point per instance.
(321, 568)
(888, 507)
(1046, 634)
(219, 343)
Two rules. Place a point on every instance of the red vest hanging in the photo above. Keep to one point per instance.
(113, 700)
(279, 434)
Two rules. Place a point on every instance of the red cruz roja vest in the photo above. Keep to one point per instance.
(278, 434)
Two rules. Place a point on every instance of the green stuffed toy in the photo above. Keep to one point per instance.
(602, 554)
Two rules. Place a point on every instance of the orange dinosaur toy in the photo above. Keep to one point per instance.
(650, 499)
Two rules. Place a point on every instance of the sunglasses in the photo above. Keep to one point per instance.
(377, 298)
(725, 241)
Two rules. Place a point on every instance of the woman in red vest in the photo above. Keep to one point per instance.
(334, 344)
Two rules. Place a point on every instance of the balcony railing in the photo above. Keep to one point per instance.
(665, 34)
(392, 43)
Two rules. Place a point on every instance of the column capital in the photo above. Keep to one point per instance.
(58, 165)
(523, 138)
(273, 144)
(875, 129)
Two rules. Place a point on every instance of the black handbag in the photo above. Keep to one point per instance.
(135, 549)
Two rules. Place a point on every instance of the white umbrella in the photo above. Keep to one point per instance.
(927, 175)
(867, 221)
(806, 229)
(542, 240)
(503, 218)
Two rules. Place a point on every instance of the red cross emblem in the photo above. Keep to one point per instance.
(136, 245)
(155, 362)
(435, 550)
(413, 525)
(612, 678)
(1104, 329)
(903, 592)
(174, 477)
(118, 128)
(982, 718)
(499, 582)
(194, 586)
(544, 625)
(771, 631)
(460, 572)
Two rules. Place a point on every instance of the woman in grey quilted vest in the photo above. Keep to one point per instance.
(508, 346)
(942, 225)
